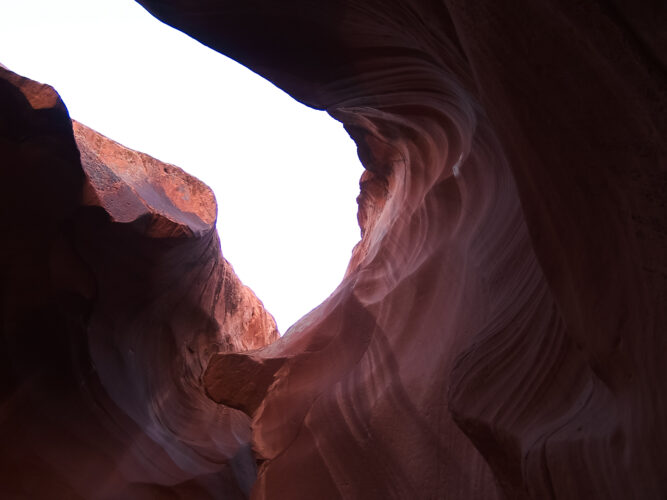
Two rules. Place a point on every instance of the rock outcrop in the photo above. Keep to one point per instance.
(114, 296)
(500, 329)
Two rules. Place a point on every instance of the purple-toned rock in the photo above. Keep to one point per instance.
(500, 330)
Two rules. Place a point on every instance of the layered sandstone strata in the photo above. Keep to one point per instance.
(114, 296)
(500, 330)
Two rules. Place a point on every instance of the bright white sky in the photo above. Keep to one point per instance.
(285, 176)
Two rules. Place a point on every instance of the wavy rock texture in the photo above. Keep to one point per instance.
(500, 329)
(114, 295)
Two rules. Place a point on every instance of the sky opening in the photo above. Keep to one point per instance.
(285, 176)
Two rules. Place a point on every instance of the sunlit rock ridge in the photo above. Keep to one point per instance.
(499, 332)
(115, 294)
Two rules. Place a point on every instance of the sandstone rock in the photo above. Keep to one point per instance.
(114, 296)
(500, 330)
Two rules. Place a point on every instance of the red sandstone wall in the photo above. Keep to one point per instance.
(114, 296)
(499, 332)
(500, 329)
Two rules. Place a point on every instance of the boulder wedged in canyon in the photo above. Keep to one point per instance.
(500, 329)
(114, 296)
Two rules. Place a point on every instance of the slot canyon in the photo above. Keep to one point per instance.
(499, 332)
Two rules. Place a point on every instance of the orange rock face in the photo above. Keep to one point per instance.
(115, 294)
(500, 330)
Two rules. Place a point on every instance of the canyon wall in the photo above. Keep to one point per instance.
(114, 295)
(499, 332)
(500, 329)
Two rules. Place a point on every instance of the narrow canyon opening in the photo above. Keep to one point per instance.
(498, 332)
(285, 176)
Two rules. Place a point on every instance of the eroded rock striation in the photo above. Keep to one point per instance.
(114, 295)
(500, 329)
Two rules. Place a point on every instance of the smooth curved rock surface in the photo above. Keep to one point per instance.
(500, 329)
(499, 332)
(114, 295)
